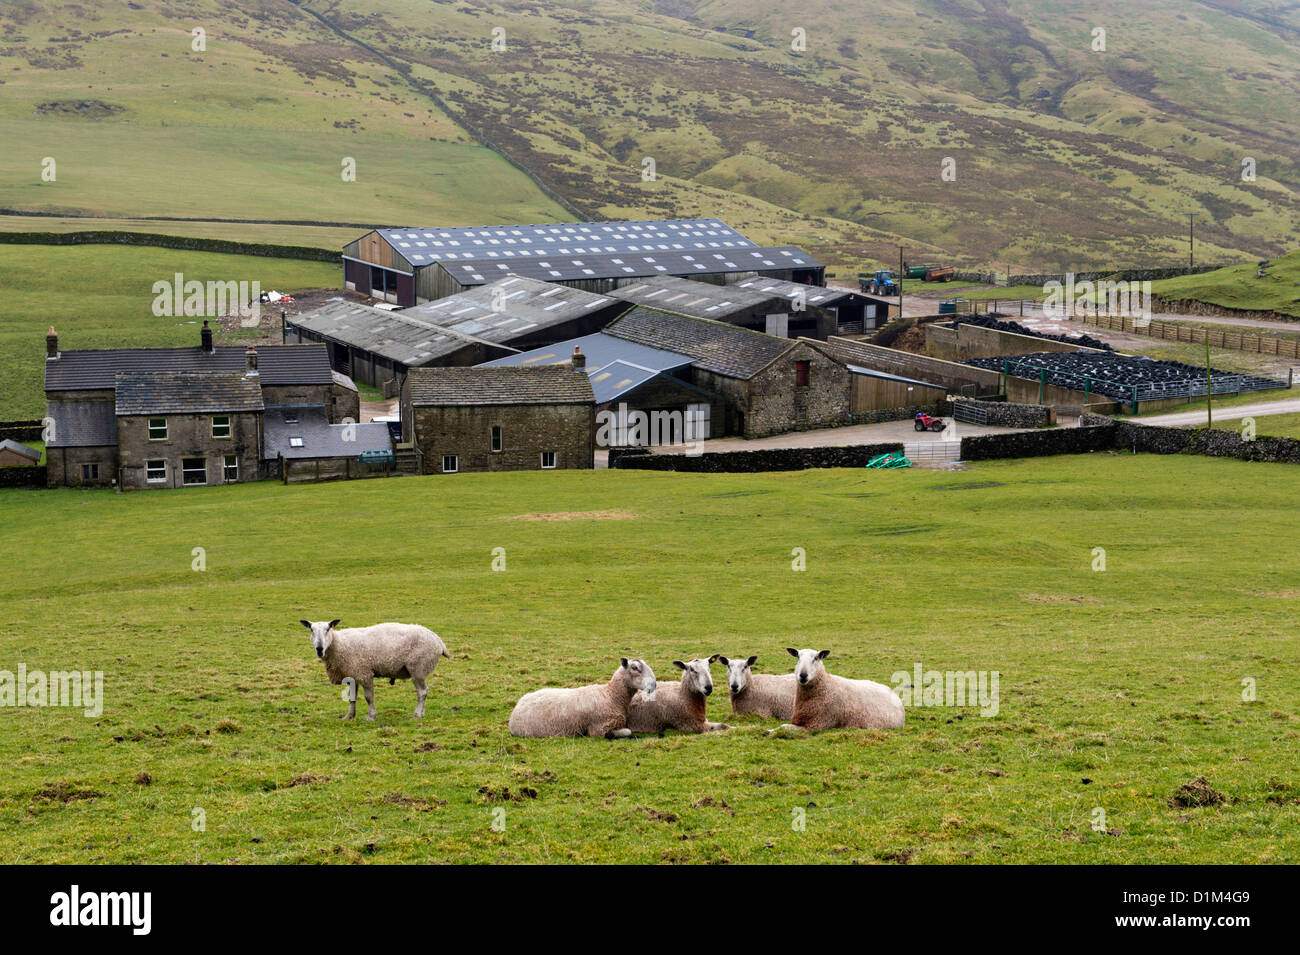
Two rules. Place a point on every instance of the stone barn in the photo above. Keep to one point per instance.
(499, 419)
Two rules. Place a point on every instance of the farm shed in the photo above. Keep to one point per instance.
(15, 455)
(627, 377)
(874, 390)
(851, 312)
(302, 445)
(769, 385)
(414, 265)
(375, 345)
(768, 312)
(517, 418)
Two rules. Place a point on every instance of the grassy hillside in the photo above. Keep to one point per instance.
(1065, 157)
(1115, 687)
(99, 296)
(1241, 287)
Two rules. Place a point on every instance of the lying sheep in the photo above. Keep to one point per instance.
(678, 706)
(596, 710)
(824, 701)
(399, 651)
(764, 694)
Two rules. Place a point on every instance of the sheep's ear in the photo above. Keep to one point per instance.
(751, 661)
(334, 623)
(679, 664)
(792, 651)
(719, 658)
(623, 661)
(305, 623)
(823, 654)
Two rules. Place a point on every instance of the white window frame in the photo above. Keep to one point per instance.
(555, 460)
(148, 468)
(185, 470)
(455, 464)
(229, 426)
(149, 425)
(295, 442)
(227, 465)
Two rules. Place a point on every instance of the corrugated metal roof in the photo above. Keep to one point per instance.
(812, 294)
(10, 445)
(715, 346)
(699, 299)
(425, 246)
(308, 434)
(614, 365)
(877, 373)
(514, 385)
(93, 370)
(166, 392)
(82, 424)
(496, 314)
(630, 265)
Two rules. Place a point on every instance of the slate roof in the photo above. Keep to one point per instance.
(483, 385)
(630, 265)
(140, 393)
(320, 439)
(614, 365)
(16, 448)
(700, 299)
(423, 246)
(493, 315)
(719, 347)
(93, 370)
(82, 424)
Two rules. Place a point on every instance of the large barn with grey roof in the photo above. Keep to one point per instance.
(413, 265)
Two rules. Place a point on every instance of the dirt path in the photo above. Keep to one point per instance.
(1235, 413)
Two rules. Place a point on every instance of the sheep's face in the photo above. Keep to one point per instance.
(738, 673)
(322, 635)
(640, 677)
(809, 669)
(696, 677)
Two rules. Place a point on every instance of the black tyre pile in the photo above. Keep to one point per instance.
(1115, 376)
(985, 321)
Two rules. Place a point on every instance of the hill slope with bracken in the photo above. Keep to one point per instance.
(1064, 154)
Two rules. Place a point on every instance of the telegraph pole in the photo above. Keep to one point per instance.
(1191, 240)
(900, 283)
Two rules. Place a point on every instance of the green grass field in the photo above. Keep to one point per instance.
(101, 296)
(1116, 687)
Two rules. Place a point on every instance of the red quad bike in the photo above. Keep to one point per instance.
(925, 422)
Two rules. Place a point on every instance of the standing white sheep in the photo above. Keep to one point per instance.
(399, 651)
(679, 706)
(824, 701)
(599, 709)
(763, 694)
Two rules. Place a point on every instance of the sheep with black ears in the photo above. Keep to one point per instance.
(398, 651)
(824, 701)
(770, 695)
(599, 709)
(678, 705)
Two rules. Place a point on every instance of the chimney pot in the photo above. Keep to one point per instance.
(51, 344)
(205, 337)
(252, 360)
(579, 359)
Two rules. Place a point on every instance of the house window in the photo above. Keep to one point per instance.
(801, 369)
(230, 470)
(157, 429)
(496, 437)
(291, 417)
(221, 425)
(155, 471)
(295, 442)
(194, 470)
(450, 464)
(548, 460)
(90, 472)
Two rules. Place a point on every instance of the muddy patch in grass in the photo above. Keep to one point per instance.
(1061, 599)
(578, 516)
(410, 802)
(1198, 792)
(65, 793)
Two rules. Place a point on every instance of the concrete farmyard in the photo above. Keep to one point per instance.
(398, 651)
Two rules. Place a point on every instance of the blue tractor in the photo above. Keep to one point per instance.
(878, 283)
